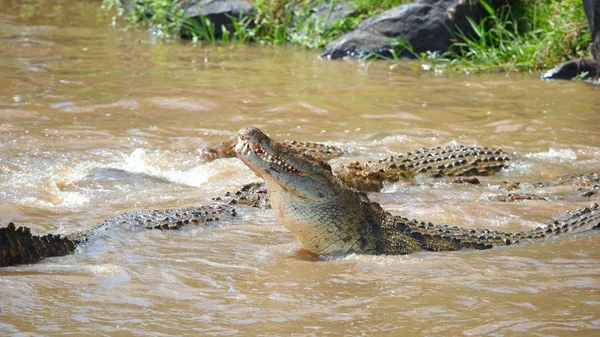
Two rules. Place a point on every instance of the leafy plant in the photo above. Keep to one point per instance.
(537, 35)
(529, 35)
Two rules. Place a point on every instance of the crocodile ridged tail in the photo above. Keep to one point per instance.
(452, 161)
(474, 238)
(19, 246)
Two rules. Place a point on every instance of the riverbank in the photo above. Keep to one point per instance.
(532, 35)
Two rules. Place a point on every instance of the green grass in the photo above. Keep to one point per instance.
(275, 21)
(164, 17)
(531, 35)
(274, 25)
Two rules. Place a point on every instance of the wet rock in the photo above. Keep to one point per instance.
(219, 12)
(583, 68)
(421, 26)
(408, 30)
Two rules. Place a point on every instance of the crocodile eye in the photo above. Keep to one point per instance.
(323, 165)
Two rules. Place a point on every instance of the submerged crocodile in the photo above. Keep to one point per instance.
(19, 246)
(328, 217)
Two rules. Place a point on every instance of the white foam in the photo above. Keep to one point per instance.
(161, 166)
(553, 154)
(69, 199)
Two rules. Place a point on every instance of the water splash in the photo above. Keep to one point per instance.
(553, 155)
(164, 166)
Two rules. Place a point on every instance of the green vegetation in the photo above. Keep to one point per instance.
(165, 17)
(275, 21)
(530, 35)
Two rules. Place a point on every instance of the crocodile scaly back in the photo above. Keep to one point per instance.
(452, 161)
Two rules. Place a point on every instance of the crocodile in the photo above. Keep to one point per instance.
(19, 245)
(450, 161)
(329, 217)
(581, 186)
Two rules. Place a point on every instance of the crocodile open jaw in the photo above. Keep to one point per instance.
(257, 150)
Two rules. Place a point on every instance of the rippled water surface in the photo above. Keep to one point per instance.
(95, 122)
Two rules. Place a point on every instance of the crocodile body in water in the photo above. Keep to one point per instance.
(327, 216)
(451, 161)
(19, 246)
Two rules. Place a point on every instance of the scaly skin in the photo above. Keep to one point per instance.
(581, 187)
(321, 151)
(452, 161)
(19, 246)
(327, 216)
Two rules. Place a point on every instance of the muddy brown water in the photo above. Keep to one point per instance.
(95, 122)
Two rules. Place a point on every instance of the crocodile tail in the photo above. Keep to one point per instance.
(456, 161)
(19, 246)
(452, 161)
(572, 222)
(476, 238)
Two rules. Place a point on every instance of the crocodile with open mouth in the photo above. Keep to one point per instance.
(328, 217)
(19, 245)
(450, 161)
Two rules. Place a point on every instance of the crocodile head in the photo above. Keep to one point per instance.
(306, 197)
(299, 174)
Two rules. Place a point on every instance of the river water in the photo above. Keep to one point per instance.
(95, 122)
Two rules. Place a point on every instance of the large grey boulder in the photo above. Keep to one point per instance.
(218, 12)
(408, 30)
